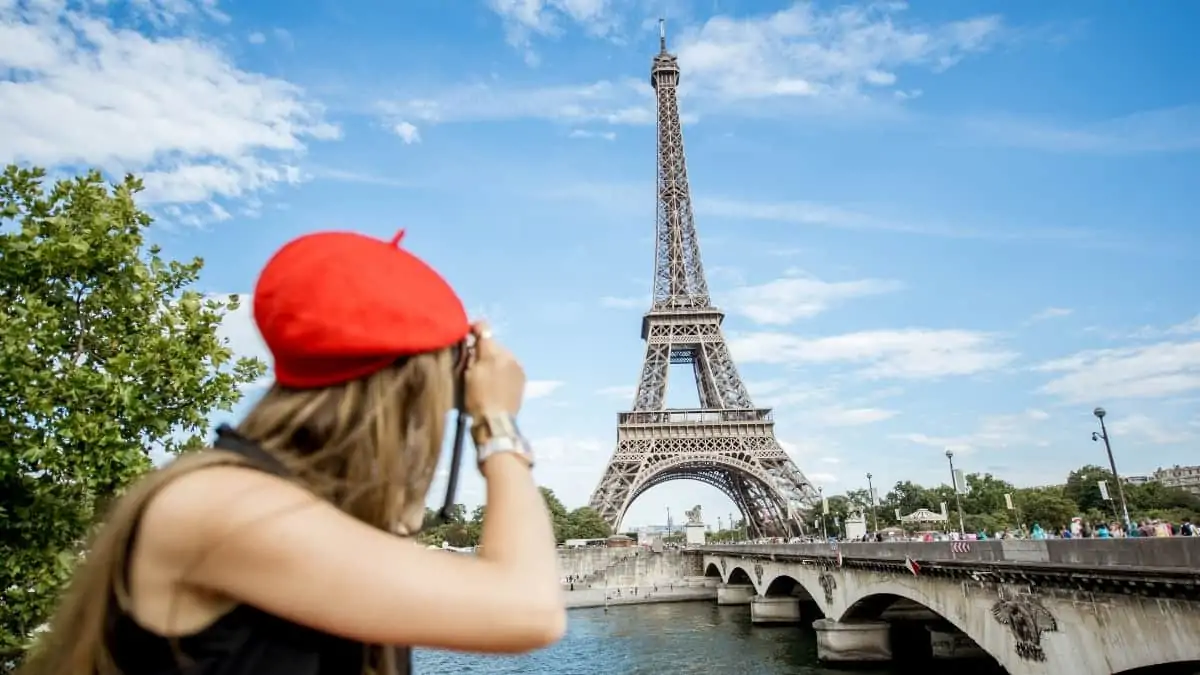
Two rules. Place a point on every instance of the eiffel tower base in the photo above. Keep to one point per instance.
(734, 451)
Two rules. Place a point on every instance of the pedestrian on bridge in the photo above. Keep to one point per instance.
(275, 552)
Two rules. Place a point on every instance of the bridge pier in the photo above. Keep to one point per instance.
(785, 609)
(853, 641)
(953, 645)
(735, 594)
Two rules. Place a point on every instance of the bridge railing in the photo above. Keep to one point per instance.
(1175, 553)
(697, 416)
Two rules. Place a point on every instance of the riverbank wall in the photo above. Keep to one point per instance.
(600, 577)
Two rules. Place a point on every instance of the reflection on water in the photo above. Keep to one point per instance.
(665, 639)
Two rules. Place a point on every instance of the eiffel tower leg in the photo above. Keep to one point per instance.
(614, 493)
(652, 385)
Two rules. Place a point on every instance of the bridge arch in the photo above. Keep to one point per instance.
(752, 490)
(787, 586)
(712, 570)
(912, 618)
(739, 575)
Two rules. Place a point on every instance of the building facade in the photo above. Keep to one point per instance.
(1182, 477)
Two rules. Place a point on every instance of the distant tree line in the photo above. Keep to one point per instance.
(1052, 506)
(462, 530)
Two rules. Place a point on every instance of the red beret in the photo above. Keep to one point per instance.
(336, 306)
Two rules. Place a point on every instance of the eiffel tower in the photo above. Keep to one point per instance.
(727, 442)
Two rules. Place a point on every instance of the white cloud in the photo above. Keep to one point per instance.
(620, 391)
(612, 302)
(1151, 371)
(1141, 427)
(541, 388)
(818, 406)
(407, 132)
(526, 18)
(1150, 131)
(256, 38)
(168, 106)
(821, 478)
(834, 416)
(829, 58)
(803, 51)
(602, 135)
(566, 454)
(1051, 313)
(624, 102)
(994, 432)
(1187, 327)
(831, 460)
(785, 300)
(825, 215)
(905, 354)
(164, 13)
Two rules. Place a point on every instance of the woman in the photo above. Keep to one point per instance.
(275, 552)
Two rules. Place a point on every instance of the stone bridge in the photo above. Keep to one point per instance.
(1052, 607)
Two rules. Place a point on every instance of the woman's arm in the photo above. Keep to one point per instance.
(262, 541)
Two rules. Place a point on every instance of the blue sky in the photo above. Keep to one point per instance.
(953, 225)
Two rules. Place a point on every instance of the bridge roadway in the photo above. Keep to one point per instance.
(1046, 607)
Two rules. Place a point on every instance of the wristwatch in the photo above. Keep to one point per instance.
(494, 434)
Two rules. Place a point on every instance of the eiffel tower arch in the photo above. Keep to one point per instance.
(727, 442)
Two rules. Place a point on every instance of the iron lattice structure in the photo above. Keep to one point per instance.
(727, 442)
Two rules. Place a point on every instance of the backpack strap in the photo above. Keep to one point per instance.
(231, 441)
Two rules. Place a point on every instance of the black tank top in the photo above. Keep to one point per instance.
(244, 641)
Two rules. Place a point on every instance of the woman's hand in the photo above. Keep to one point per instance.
(495, 380)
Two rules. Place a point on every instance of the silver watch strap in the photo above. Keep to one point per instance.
(502, 444)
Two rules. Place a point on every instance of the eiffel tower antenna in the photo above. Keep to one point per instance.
(726, 442)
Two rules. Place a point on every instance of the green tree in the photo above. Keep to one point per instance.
(907, 496)
(1083, 488)
(986, 494)
(558, 514)
(859, 501)
(1048, 507)
(106, 356)
(475, 525)
(586, 523)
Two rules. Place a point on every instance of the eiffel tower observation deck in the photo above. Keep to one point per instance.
(727, 442)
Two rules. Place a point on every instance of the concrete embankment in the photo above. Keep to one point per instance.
(596, 597)
(596, 577)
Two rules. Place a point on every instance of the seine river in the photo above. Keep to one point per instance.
(668, 638)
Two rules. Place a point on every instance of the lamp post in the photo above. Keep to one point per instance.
(668, 522)
(871, 496)
(962, 529)
(1112, 464)
(824, 530)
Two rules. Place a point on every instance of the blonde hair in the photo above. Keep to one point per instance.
(369, 446)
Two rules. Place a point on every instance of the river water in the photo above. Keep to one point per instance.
(660, 639)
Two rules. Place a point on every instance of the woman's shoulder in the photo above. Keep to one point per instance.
(190, 510)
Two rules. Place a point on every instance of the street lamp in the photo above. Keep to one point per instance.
(1112, 464)
(962, 529)
(824, 531)
(871, 496)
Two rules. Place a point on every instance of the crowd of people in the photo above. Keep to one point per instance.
(1076, 529)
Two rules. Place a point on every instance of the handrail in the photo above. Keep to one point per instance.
(694, 416)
